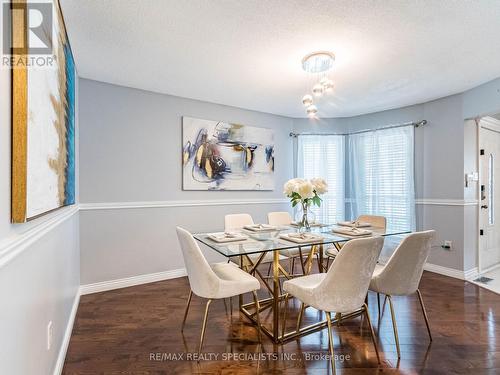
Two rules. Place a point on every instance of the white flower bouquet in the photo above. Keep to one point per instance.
(305, 192)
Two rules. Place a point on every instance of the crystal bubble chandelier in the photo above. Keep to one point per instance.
(318, 65)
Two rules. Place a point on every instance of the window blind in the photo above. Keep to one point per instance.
(324, 156)
(382, 175)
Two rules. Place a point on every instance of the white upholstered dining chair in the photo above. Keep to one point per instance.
(215, 281)
(283, 218)
(373, 220)
(342, 289)
(238, 221)
(378, 222)
(402, 273)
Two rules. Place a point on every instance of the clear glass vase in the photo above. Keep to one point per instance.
(304, 216)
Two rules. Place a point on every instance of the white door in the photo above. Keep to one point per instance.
(489, 211)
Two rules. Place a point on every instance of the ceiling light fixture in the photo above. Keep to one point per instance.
(317, 89)
(317, 64)
(312, 110)
(307, 100)
(327, 84)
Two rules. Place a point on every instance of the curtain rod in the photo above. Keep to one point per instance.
(415, 124)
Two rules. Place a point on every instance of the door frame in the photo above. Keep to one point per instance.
(493, 124)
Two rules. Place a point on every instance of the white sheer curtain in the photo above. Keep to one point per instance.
(324, 156)
(381, 175)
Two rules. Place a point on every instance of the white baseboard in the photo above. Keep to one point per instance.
(131, 281)
(446, 271)
(489, 269)
(471, 274)
(101, 287)
(166, 275)
(451, 272)
(173, 274)
(67, 336)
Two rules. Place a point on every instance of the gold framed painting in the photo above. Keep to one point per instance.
(43, 111)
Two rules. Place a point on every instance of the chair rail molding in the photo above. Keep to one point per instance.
(17, 243)
(178, 203)
(446, 202)
(236, 202)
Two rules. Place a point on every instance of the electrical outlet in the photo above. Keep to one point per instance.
(447, 245)
(49, 335)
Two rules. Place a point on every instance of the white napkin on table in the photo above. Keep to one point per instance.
(354, 232)
(360, 224)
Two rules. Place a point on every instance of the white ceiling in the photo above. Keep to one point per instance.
(247, 53)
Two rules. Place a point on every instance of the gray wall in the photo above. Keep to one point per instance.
(130, 152)
(39, 272)
(437, 140)
(445, 149)
(438, 169)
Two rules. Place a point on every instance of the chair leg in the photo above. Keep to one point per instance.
(371, 331)
(330, 341)
(328, 262)
(299, 319)
(285, 311)
(378, 304)
(301, 260)
(187, 309)
(383, 304)
(231, 305)
(269, 269)
(203, 327)
(338, 317)
(257, 311)
(225, 305)
(292, 270)
(425, 314)
(394, 326)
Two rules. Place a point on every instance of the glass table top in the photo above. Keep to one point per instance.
(259, 242)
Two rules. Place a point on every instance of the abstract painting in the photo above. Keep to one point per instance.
(43, 129)
(219, 155)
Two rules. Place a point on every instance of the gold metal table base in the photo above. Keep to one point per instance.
(278, 273)
(281, 338)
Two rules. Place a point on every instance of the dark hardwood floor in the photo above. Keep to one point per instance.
(133, 330)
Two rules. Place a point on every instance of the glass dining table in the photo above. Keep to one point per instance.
(256, 246)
